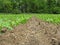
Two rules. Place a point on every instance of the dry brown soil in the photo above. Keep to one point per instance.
(34, 32)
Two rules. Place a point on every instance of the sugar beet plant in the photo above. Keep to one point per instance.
(10, 21)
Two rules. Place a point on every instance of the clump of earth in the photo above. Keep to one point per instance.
(34, 32)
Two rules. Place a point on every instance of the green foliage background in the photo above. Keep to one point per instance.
(30, 6)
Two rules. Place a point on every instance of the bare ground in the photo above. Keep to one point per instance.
(34, 32)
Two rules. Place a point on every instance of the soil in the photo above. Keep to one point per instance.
(34, 32)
